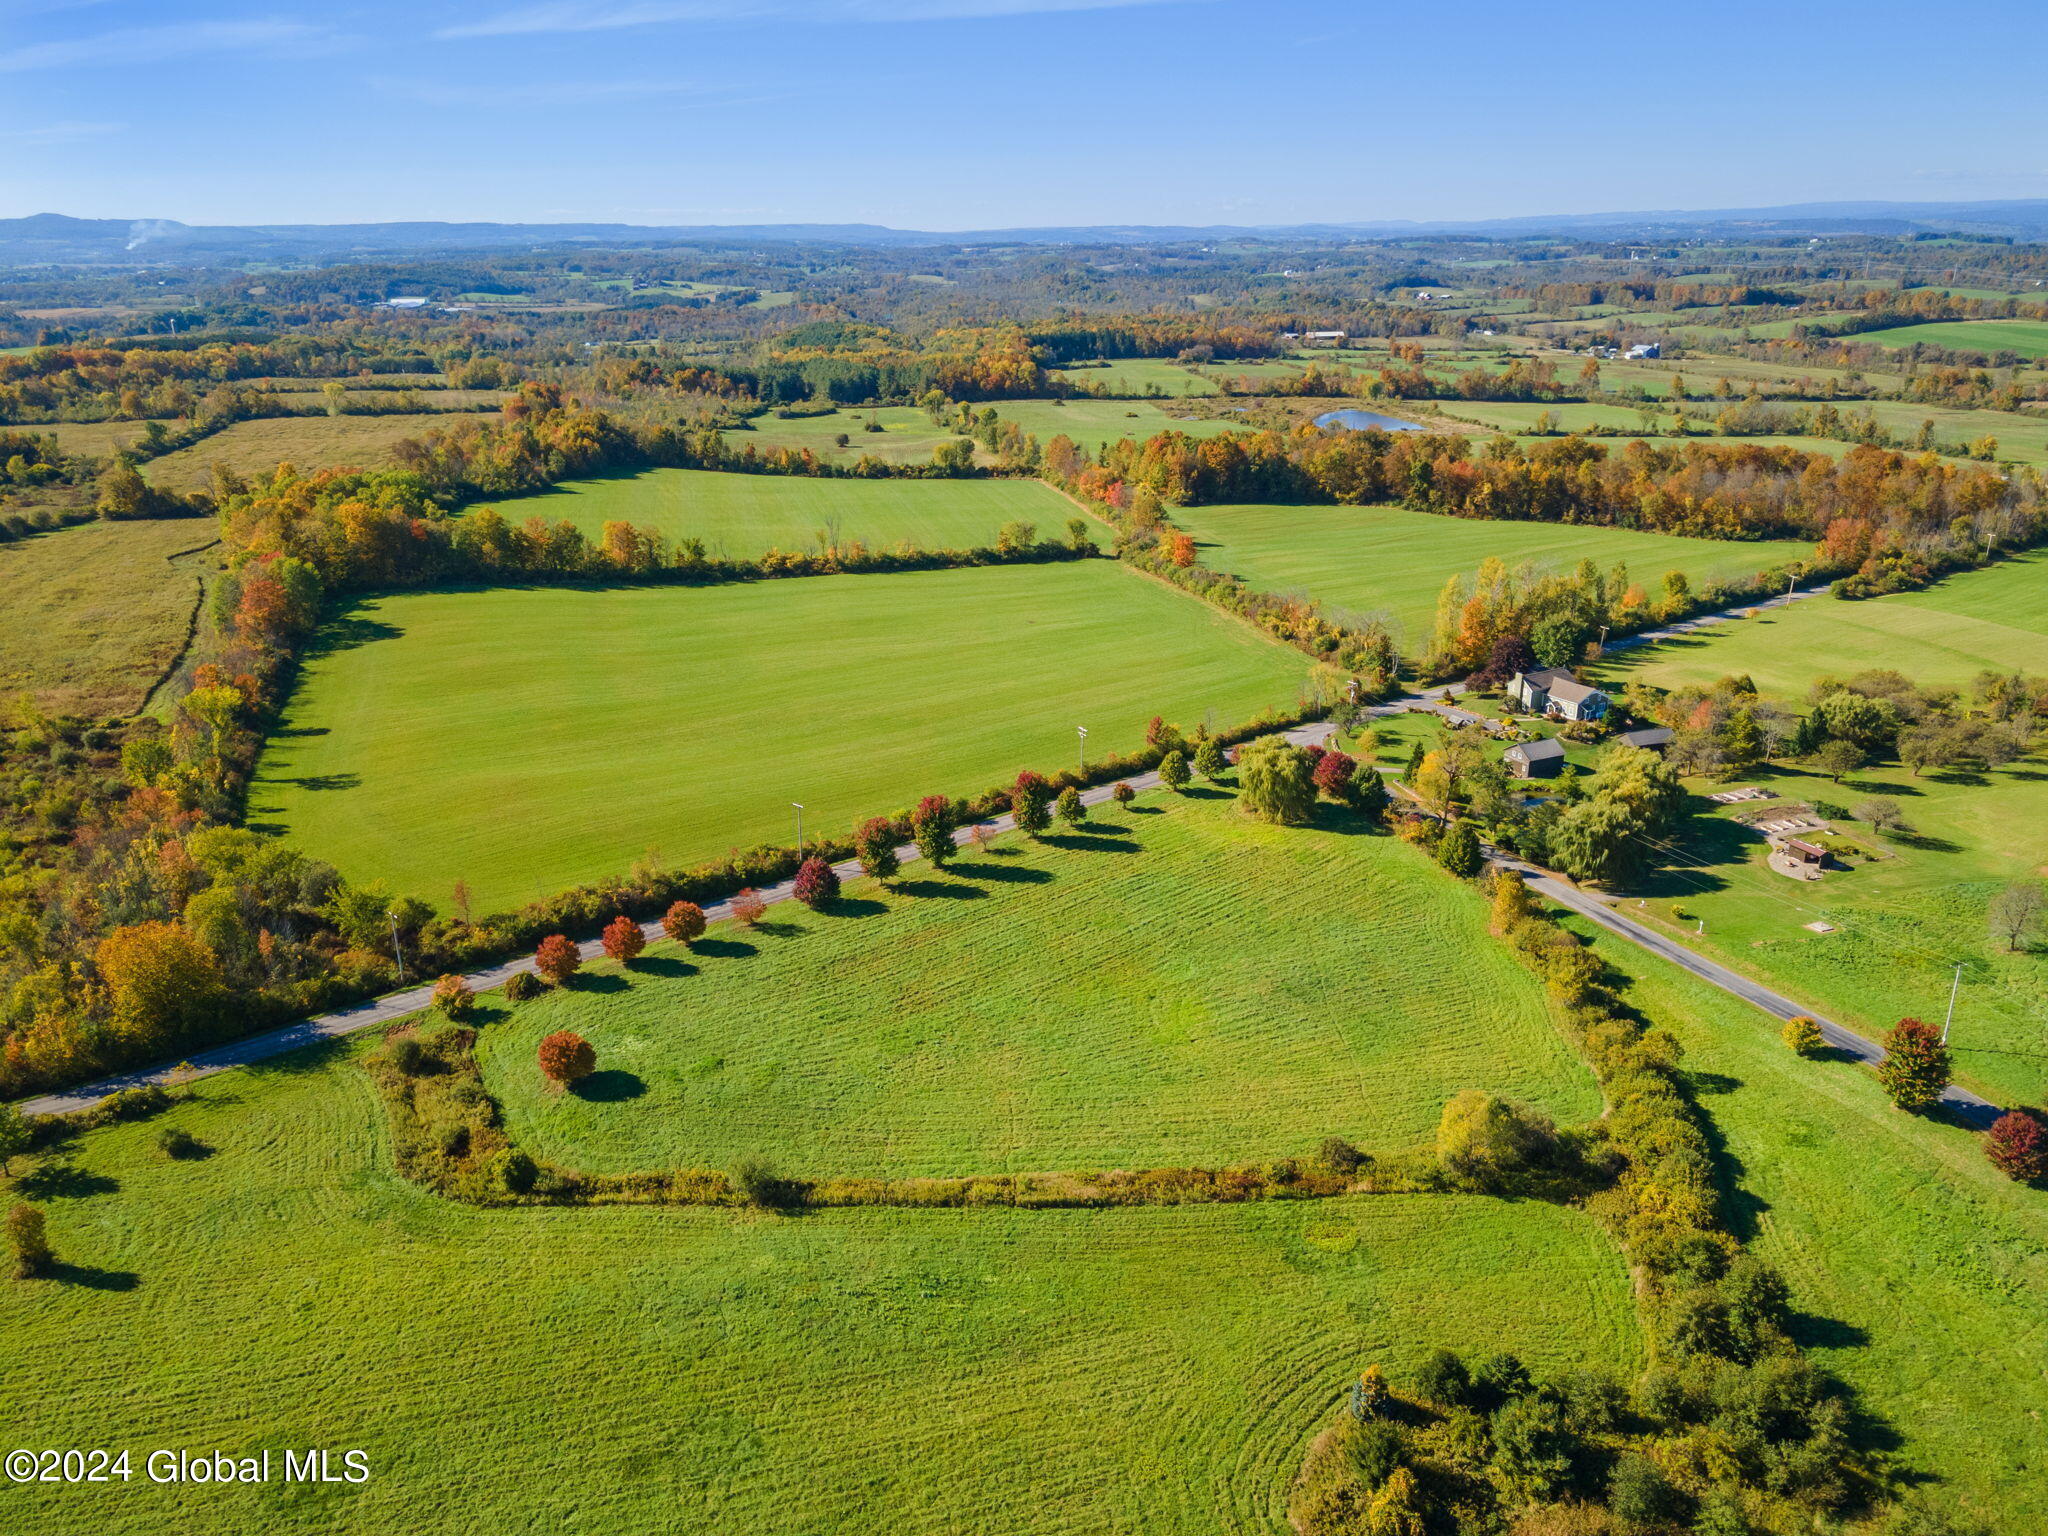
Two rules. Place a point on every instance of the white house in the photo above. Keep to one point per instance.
(1646, 349)
(1554, 691)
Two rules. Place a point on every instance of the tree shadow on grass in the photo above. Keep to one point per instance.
(348, 630)
(777, 929)
(664, 965)
(1144, 810)
(724, 949)
(857, 906)
(1090, 842)
(608, 1087)
(1205, 792)
(1924, 841)
(314, 1056)
(1005, 874)
(91, 1279)
(956, 890)
(64, 1181)
(1712, 1082)
(1810, 1331)
(323, 781)
(585, 981)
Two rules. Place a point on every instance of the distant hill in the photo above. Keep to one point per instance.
(56, 237)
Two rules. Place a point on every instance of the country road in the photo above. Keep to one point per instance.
(396, 1005)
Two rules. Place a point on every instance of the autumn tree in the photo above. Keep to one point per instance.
(15, 1136)
(2014, 911)
(557, 959)
(566, 1056)
(683, 922)
(874, 845)
(1915, 1069)
(1173, 771)
(623, 940)
(1210, 761)
(931, 828)
(28, 1243)
(2017, 1145)
(1031, 803)
(1334, 774)
(1803, 1036)
(452, 995)
(1276, 781)
(816, 884)
(1069, 807)
(163, 982)
(1122, 793)
(746, 906)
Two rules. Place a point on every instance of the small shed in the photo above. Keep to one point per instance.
(1804, 853)
(1652, 738)
(1541, 759)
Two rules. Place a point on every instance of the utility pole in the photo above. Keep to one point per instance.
(1083, 730)
(1954, 987)
(799, 830)
(396, 953)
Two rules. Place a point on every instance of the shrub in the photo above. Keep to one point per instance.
(1803, 1036)
(1377, 1451)
(1069, 806)
(1638, 1495)
(454, 998)
(1031, 803)
(29, 1243)
(1498, 1378)
(623, 939)
(683, 922)
(557, 959)
(1458, 850)
(179, 1144)
(409, 1057)
(1915, 1068)
(931, 828)
(522, 986)
(1173, 772)
(1368, 790)
(761, 1185)
(1487, 1138)
(874, 844)
(1210, 762)
(1444, 1380)
(2017, 1145)
(747, 907)
(1339, 1156)
(1333, 774)
(817, 883)
(1275, 781)
(1369, 1395)
(566, 1056)
(515, 1171)
(1123, 794)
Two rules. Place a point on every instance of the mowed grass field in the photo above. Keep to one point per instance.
(310, 442)
(907, 435)
(839, 1373)
(1394, 562)
(1994, 619)
(742, 516)
(1173, 985)
(1141, 376)
(1091, 423)
(2028, 338)
(526, 740)
(92, 616)
(1919, 1273)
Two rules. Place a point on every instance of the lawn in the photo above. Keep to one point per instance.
(839, 1373)
(2027, 338)
(1288, 985)
(1919, 1272)
(309, 442)
(92, 616)
(525, 740)
(1992, 619)
(742, 516)
(1390, 561)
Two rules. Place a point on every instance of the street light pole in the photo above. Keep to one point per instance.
(799, 830)
(397, 953)
(1083, 730)
(1954, 987)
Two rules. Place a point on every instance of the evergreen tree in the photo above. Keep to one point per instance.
(1210, 762)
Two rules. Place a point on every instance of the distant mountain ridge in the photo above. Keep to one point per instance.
(60, 238)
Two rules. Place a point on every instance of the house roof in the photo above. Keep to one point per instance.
(1571, 690)
(1535, 751)
(1812, 848)
(1648, 736)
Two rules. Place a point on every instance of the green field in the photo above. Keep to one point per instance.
(309, 442)
(1394, 562)
(840, 1373)
(1919, 1271)
(92, 616)
(523, 740)
(742, 516)
(2028, 338)
(1091, 423)
(1993, 619)
(1140, 376)
(907, 435)
(1001, 1019)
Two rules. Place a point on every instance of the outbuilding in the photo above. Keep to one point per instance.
(1539, 759)
(1652, 738)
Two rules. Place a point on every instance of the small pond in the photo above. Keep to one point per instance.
(1362, 421)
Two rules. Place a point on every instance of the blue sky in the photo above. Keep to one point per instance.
(952, 114)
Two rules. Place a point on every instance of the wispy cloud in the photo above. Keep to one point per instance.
(154, 45)
(58, 133)
(546, 93)
(610, 15)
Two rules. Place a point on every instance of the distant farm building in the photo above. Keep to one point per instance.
(1646, 349)
(1534, 759)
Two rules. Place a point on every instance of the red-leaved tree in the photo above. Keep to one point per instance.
(556, 959)
(747, 907)
(817, 883)
(623, 939)
(931, 828)
(683, 922)
(2017, 1145)
(1333, 774)
(566, 1056)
